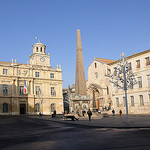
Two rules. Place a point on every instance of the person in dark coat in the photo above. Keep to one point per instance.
(89, 114)
(113, 112)
(120, 112)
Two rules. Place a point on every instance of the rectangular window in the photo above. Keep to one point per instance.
(5, 71)
(138, 64)
(115, 71)
(141, 100)
(37, 74)
(147, 61)
(53, 92)
(95, 65)
(130, 66)
(96, 74)
(52, 75)
(21, 90)
(124, 102)
(5, 89)
(132, 100)
(131, 84)
(148, 80)
(140, 82)
(117, 102)
(37, 90)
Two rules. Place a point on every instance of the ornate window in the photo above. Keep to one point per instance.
(37, 107)
(37, 90)
(41, 49)
(37, 74)
(5, 89)
(52, 75)
(53, 92)
(5, 71)
(21, 90)
(36, 49)
(141, 100)
(5, 108)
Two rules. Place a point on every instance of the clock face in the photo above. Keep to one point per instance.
(42, 59)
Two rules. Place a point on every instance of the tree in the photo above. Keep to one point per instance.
(123, 78)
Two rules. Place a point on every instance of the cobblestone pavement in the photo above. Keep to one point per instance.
(43, 133)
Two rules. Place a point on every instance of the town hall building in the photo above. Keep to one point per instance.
(31, 88)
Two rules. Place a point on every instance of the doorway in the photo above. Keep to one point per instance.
(22, 109)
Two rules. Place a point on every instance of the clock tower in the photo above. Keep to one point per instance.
(39, 56)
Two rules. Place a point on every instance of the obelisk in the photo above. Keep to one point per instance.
(80, 84)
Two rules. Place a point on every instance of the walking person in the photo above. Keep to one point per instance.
(113, 112)
(89, 114)
(120, 112)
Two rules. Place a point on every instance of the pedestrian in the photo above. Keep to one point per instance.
(83, 113)
(113, 112)
(120, 112)
(54, 114)
(89, 114)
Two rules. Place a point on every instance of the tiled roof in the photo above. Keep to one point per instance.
(105, 60)
(134, 55)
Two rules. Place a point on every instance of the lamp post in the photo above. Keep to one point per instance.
(123, 78)
(40, 92)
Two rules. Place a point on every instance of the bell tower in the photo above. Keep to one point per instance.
(39, 56)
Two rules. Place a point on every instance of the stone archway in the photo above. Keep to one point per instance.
(95, 91)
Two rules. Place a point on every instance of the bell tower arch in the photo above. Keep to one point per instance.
(39, 56)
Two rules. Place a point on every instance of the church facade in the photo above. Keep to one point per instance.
(104, 93)
(31, 88)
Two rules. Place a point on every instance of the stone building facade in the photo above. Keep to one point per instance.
(32, 87)
(98, 85)
(105, 93)
(139, 95)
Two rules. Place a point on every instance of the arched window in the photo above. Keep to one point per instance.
(107, 90)
(37, 107)
(5, 107)
(53, 107)
(41, 49)
(36, 49)
(84, 106)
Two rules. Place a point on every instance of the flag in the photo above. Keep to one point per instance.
(54, 92)
(25, 87)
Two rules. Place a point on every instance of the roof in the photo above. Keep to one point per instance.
(134, 55)
(104, 60)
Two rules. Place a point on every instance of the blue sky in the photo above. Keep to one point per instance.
(108, 28)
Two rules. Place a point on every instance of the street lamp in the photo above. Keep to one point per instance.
(40, 92)
(123, 78)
